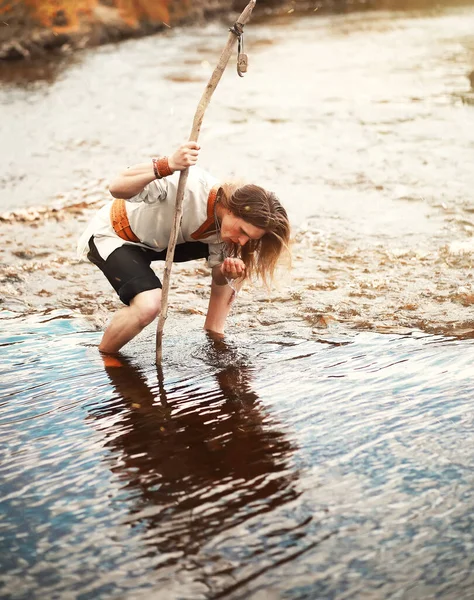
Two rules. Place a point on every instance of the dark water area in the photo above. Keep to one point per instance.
(260, 467)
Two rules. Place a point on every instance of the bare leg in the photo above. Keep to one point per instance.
(129, 321)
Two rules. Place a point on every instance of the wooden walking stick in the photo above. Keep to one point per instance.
(235, 33)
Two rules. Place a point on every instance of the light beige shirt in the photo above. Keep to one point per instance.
(151, 214)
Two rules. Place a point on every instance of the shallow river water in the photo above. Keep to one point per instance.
(322, 451)
(266, 466)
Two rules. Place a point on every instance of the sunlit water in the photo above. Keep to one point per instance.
(339, 114)
(263, 467)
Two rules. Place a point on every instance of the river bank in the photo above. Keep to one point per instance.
(34, 30)
(31, 32)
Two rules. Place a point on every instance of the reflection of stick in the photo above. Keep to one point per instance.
(198, 118)
(161, 386)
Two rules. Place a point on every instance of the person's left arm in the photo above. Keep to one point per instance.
(222, 295)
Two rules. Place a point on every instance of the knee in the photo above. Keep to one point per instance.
(147, 306)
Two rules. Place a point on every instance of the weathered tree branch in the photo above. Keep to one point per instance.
(198, 118)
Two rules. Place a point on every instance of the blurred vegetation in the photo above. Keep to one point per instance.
(30, 28)
(66, 15)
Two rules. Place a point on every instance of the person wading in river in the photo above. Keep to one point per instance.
(242, 230)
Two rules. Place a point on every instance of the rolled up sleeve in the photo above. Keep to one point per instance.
(216, 255)
(156, 191)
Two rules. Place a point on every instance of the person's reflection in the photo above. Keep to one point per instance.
(199, 456)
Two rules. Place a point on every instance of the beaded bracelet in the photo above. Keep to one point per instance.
(161, 167)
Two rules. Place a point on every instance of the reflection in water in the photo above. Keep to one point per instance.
(26, 73)
(286, 468)
(196, 461)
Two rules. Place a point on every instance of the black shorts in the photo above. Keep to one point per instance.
(128, 268)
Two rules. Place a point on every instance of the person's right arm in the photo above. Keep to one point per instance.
(222, 295)
(132, 181)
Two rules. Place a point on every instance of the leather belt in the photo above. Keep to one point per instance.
(120, 222)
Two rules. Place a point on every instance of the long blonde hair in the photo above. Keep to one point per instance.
(260, 208)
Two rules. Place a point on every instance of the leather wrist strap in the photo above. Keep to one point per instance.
(161, 167)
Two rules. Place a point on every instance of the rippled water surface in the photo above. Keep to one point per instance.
(267, 466)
